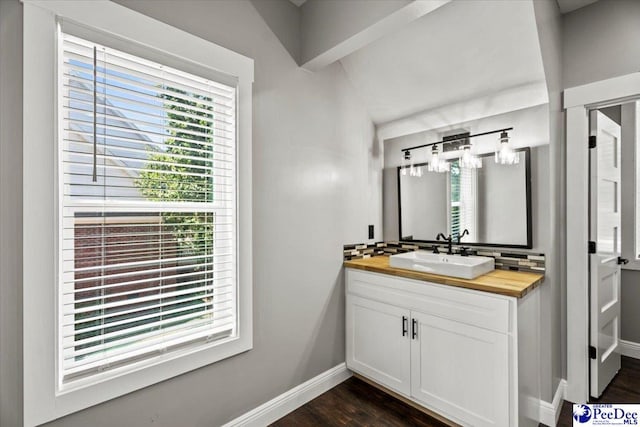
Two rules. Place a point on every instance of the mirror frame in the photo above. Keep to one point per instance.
(528, 245)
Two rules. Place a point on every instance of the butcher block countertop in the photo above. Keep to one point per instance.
(504, 282)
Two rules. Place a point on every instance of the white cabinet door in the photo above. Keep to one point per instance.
(378, 342)
(461, 371)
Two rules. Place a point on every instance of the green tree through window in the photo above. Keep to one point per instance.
(184, 173)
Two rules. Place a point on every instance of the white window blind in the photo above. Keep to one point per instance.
(147, 177)
(463, 201)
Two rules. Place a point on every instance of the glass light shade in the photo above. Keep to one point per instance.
(505, 154)
(437, 164)
(406, 159)
(435, 160)
(408, 167)
(468, 160)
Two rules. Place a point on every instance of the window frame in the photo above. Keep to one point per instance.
(43, 399)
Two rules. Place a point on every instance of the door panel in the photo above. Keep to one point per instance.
(604, 299)
(461, 371)
(378, 342)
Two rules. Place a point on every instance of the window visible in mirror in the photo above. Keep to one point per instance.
(463, 201)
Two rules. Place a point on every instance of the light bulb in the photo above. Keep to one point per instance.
(505, 154)
(468, 160)
(435, 160)
(413, 169)
(437, 164)
(405, 160)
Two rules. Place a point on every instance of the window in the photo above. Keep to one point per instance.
(463, 201)
(148, 202)
(136, 204)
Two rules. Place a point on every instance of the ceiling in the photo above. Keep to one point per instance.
(571, 5)
(298, 2)
(463, 50)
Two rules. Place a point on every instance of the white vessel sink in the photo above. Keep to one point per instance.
(464, 267)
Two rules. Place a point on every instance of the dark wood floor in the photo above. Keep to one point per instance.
(356, 403)
(625, 388)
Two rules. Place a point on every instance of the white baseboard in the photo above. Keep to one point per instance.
(630, 349)
(288, 401)
(549, 412)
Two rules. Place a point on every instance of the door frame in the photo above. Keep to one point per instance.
(578, 101)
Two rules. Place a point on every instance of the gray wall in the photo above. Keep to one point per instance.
(614, 113)
(324, 23)
(283, 17)
(601, 41)
(10, 213)
(553, 317)
(316, 186)
(630, 307)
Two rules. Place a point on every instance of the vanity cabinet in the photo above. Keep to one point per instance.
(449, 349)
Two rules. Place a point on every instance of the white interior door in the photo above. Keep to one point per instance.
(604, 304)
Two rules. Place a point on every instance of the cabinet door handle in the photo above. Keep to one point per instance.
(405, 326)
(414, 329)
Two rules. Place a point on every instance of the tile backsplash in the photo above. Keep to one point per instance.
(505, 259)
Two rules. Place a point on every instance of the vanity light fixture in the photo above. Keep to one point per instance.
(505, 154)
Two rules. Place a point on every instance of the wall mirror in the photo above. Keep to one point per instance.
(493, 202)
